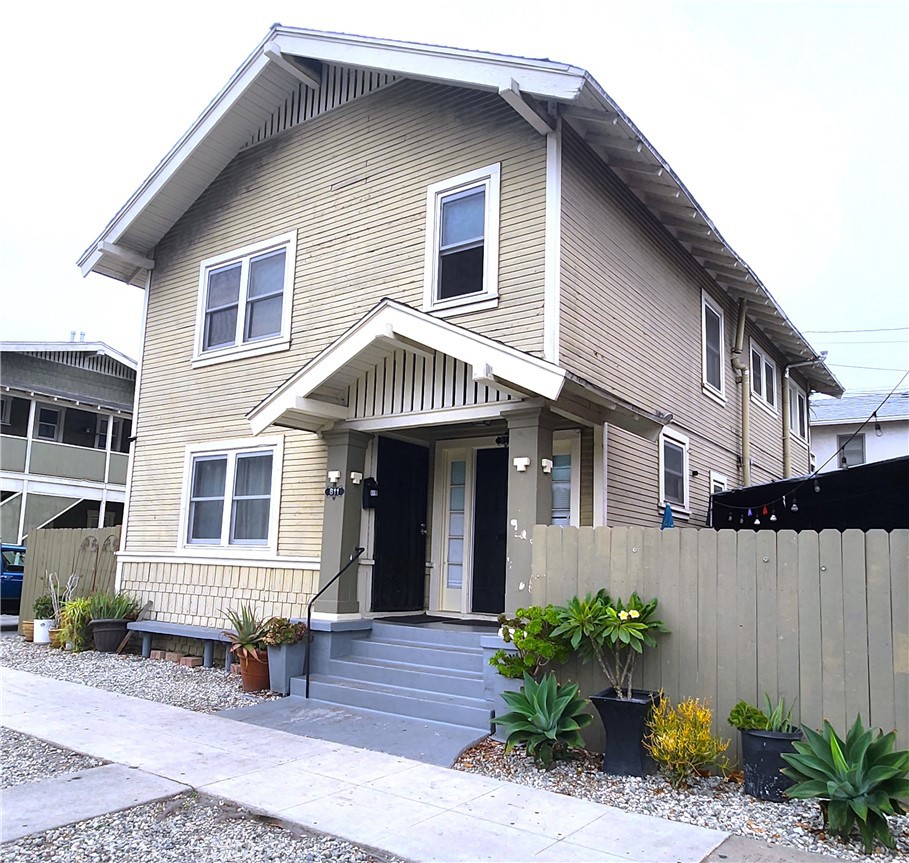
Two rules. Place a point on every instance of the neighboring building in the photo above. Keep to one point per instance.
(66, 410)
(420, 299)
(858, 429)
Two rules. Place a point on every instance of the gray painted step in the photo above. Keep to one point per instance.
(415, 677)
(447, 634)
(452, 709)
(440, 656)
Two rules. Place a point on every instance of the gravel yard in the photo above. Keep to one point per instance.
(711, 802)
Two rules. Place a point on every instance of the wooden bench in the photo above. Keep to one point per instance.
(208, 635)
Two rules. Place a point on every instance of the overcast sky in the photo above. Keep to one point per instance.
(787, 121)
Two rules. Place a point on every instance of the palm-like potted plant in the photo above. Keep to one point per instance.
(109, 613)
(247, 643)
(766, 735)
(285, 641)
(615, 633)
(75, 622)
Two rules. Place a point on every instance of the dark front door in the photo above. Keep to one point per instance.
(489, 538)
(399, 547)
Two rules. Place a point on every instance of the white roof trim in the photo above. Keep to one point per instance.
(386, 320)
(75, 347)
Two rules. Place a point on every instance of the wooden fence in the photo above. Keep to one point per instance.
(821, 617)
(88, 553)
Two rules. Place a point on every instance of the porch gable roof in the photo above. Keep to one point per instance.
(316, 396)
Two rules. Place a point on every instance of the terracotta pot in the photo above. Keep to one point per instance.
(254, 671)
(57, 639)
(28, 630)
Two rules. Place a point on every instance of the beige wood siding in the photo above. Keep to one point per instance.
(352, 183)
(631, 322)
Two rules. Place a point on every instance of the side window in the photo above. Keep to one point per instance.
(462, 238)
(763, 377)
(674, 469)
(245, 299)
(851, 449)
(798, 411)
(712, 346)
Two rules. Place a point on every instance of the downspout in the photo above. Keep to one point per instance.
(743, 374)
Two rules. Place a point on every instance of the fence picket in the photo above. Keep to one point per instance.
(855, 623)
(832, 629)
(880, 636)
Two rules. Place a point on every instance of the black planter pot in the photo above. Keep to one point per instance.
(761, 751)
(625, 724)
(108, 633)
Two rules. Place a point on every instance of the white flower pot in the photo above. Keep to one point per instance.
(42, 630)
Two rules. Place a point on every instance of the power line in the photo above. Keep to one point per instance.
(883, 342)
(882, 330)
(867, 368)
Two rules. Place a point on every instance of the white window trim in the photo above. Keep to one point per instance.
(795, 391)
(846, 438)
(488, 177)
(709, 389)
(682, 441)
(760, 399)
(720, 480)
(58, 434)
(6, 408)
(258, 347)
(232, 448)
(569, 443)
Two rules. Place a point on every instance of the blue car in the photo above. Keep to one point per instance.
(12, 565)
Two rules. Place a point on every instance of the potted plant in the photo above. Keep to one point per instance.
(247, 643)
(285, 641)
(109, 613)
(615, 633)
(75, 620)
(766, 735)
(531, 647)
(44, 619)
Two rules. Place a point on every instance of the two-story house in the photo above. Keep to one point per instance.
(66, 413)
(859, 429)
(420, 299)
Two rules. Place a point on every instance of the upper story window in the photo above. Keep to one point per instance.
(674, 487)
(245, 301)
(231, 495)
(851, 449)
(6, 405)
(47, 423)
(462, 239)
(763, 377)
(798, 411)
(712, 346)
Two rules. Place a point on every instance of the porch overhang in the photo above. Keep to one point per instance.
(318, 396)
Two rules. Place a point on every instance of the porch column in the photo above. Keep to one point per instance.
(529, 498)
(341, 523)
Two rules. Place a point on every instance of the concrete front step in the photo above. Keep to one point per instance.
(440, 656)
(450, 635)
(438, 707)
(407, 676)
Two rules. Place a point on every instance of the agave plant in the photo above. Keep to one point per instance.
(859, 781)
(545, 716)
(248, 633)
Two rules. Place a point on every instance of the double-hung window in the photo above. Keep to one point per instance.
(798, 411)
(566, 479)
(462, 237)
(245, 300)
(6, 405)
(763, 377)
(48, 423)
(712, 349)
(232, 496)
(674, 470)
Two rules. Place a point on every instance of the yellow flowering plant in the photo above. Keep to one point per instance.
(612, 631)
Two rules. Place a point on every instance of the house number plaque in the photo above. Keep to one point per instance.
(334, 491)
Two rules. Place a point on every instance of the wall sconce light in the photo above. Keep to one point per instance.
(546, 464)
(522, 463)
(334, 477)
(356, 477)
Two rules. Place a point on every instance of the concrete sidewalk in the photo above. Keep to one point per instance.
(404, 807)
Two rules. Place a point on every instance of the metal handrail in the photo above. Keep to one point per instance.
(357, 552)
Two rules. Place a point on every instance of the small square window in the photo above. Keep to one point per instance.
(851, 449)
(462, 233)
(245, 300)
(763, 377)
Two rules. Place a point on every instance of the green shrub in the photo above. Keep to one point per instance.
(530, 630)
(859, 781)
(679, 739)
(747, 717)
(545, 716)
(279, 630)
(44, 607)
(112, 606)
(74, 621)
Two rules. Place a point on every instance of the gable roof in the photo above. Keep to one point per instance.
(316, 395)
(290, 60)
(859, 407)
(97, 348)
